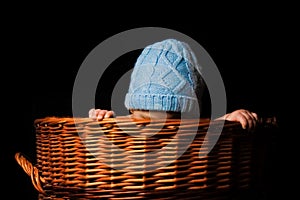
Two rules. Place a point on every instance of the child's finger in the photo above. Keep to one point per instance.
(109, 114)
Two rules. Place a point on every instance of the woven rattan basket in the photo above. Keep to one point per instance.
(121, 158)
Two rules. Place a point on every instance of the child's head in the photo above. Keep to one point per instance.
(166, 77)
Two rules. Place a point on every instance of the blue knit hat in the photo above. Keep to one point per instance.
(166, 77)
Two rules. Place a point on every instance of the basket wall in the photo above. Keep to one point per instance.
(79, 160)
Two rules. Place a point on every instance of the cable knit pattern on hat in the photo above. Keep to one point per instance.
(165, 78)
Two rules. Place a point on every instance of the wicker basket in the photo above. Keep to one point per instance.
(78, 158)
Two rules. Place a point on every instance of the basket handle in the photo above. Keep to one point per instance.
(31, 170)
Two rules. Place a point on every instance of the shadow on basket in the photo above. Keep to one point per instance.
(118, 158)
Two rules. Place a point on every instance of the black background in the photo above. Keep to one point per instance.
(44, 56)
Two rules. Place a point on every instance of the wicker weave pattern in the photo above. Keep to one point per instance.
(75, 160)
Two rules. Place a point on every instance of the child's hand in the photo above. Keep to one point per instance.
(247, 118)
(98, 114)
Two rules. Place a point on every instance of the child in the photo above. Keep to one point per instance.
(166, 82)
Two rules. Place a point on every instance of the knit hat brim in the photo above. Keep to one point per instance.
(160, 102)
